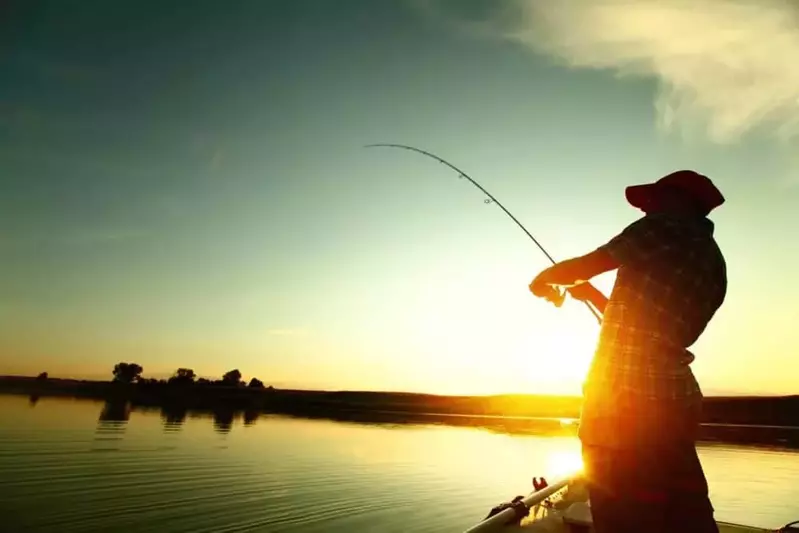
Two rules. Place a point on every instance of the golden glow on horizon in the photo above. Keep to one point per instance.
(452, 343)
(563, 360)
(480, 341)
(514, 350)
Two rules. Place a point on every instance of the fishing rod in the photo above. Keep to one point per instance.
(491, 199)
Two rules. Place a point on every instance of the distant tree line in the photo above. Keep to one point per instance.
(132, 373)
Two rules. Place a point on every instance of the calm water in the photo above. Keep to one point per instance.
(70, 465)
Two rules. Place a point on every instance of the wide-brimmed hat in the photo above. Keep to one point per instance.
(699, 188)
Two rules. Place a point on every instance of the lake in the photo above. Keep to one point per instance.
(79, 466)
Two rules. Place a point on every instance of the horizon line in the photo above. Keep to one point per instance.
(714, 394)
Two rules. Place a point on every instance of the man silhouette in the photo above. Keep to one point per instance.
(641, 401)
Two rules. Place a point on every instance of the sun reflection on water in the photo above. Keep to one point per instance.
(564, 463)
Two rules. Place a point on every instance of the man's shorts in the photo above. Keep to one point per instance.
(648, 489)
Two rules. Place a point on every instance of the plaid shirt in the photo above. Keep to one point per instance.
(671, 281)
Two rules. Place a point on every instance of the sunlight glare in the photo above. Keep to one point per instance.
(556, 361)
(564, 463)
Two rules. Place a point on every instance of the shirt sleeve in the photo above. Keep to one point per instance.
(638, 243)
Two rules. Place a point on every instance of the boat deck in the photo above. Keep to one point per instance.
(555, 524)
(554, 508)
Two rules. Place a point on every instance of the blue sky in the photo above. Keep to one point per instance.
(186, 185)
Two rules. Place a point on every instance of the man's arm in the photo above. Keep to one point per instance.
(635, 247)
(586, 292)
(575, 271)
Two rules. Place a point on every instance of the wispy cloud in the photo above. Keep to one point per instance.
(724, 67)
(728, 65)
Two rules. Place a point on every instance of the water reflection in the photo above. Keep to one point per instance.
(113, 420)
(115, 415)
(223, 420)
(281, 474)
(251, 417)
(494, 424)
(563, 463)
(173, 417)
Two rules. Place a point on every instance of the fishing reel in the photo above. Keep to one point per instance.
(555, 296)
(549, 293)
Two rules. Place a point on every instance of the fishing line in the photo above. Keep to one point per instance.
(491, 199)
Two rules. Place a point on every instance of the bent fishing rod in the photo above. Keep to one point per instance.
(491, 199)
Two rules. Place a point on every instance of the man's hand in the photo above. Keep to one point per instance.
(571, 274)
(551, 294)
(540, 286)
(585, 292)
(543, 288)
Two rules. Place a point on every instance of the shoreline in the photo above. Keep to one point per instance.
(741, 420)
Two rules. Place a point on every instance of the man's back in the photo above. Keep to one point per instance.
(671, 281)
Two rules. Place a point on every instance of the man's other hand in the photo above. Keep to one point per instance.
(583, 292)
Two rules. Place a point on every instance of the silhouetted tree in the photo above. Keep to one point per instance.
(127, 372)
(183, 375)
(256, 383)
(203, 381)
(232, 377)
(42, 377)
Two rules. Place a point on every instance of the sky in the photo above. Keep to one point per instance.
(186, 184)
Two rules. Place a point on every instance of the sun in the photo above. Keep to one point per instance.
(556, 361)
(508, 345)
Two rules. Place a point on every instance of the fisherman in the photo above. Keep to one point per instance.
(641, 404)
